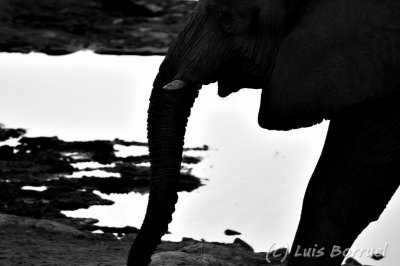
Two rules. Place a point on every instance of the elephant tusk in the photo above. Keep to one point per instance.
(175, 85)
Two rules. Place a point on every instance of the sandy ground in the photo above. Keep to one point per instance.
(33, 246)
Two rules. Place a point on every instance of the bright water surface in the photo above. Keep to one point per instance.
(254, 179)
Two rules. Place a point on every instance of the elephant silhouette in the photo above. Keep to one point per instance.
(313, 60)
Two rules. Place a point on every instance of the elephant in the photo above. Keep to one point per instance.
(314, 60)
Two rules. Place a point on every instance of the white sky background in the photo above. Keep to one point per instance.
(256, 177)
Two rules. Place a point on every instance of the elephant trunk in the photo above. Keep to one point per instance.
(167, 119)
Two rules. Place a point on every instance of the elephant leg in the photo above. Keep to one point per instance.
(356, 176)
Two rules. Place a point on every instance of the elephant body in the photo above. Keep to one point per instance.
(341, 53)
(313, 60)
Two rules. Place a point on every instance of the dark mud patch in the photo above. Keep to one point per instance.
(49, 162)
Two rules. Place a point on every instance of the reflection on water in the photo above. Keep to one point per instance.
(125, 151)
(40, 189)
(255, 178)
(96, 173)
(91, 165)
(128, 209)
(10, 142)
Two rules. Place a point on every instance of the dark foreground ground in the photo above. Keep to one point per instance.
(27, 241)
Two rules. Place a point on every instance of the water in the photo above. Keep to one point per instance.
(254, 179)
(40, 189)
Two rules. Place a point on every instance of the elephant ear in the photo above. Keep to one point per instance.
(336, 55)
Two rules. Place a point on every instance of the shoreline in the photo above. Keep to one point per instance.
(34, 190)
(37, 176)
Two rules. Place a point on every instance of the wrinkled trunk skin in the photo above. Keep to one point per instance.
(167, 118)
(166, 124)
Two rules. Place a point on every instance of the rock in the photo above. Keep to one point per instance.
(230, 232)
(46, 225)
(242, 244)
(188, 240)
(51, 226)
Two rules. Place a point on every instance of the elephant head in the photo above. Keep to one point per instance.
(298, 53)
(232, 42)
(226, 41)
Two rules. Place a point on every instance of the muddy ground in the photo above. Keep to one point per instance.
(26, 241)
(50, 162)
